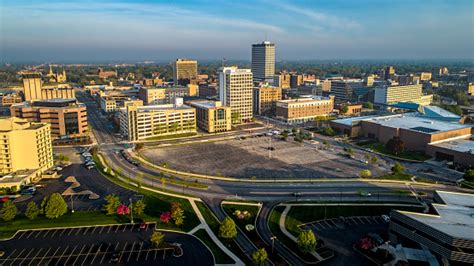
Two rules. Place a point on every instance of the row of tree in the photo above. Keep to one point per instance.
(51, 207)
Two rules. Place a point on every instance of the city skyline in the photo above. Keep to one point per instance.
(154, 30)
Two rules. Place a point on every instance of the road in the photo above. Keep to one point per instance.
(269, 193)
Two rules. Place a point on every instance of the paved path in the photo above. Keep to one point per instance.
(214, 238)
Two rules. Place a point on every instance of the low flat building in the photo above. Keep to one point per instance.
(212, 117)
(304, 109)
(458, 151)
(446, 230)
(415, 130)
(146, 122)
(67, 117)
(388, 95)
(12, 98)
(265, 99)
(25, 146)
(352, 109)
(110, 104)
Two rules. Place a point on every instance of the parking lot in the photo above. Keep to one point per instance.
(127, 243)
(339, 235)
(251, 157)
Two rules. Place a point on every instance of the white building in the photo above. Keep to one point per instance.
(236, 91)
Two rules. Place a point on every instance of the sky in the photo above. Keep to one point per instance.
(82, 31)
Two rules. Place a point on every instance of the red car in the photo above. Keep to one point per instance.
(4, 199)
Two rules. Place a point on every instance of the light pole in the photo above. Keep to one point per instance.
(131, 210)
(72, 204)
(273, 242)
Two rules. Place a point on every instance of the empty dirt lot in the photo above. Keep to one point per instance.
(250, 158)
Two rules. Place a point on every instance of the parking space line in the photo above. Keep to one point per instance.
(124, 227)
(55, 231)
(101, 229)
(31, 232)
(94, 230)
(121, 253)
(327, 224)
(19, 254)
(360, 220)
(96, 253)
(368, 220)
(62, 254)
(52, 256)
(156, 253)
(62, 232)
(140, 250)
(110, 227)
(117, 228)
(70, 231)
(78, 230)
(131, 251)
(377, 219)
(26, 256)
(87, 254)
(147, 252)
(13, 252)
(34, 257)
(47, 232)
(105, 253)
(354, 221)
(44, 256)
(321, 225)
(23, 233)
(70, 254)
(78, 255)
(85, 231)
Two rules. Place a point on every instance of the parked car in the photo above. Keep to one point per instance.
(386, 218)
(4, 199)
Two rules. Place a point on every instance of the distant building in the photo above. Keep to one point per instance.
(56, 77)
(369, 80)
(265, 99)
(166, 94)
(33, 89)
(296, 80)
(301, 110)
(110, 104)
(470, 89)
(425, 76)
(387, 95)
(282, 80)
(389, 72)
(146, 122)
(68, 118)
(443, 71)
(212, 117)
(26, 145)
(236, 91)
(446, 230)
(343, 90)
(352, 109)
(326, 85)
(263, 62)
(209, 90)
(184, 71)
(11, 98)
(106, 74)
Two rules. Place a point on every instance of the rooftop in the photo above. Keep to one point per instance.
(460, 145)
(151, 108)
(409, 121)
(455, 217)
(206, 104)
(306, 99)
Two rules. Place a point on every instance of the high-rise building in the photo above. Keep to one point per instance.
(235, 91)
(26, 145)
(425, 76)
(296, 80)
(265, 99)
(211, 116)
(145, 122)
(282, 80)
(263, 62)
(33, 89)
(443, 71)
(184, 71)
(389, 72)
(369, 80)
(67, 117)
(344, 89)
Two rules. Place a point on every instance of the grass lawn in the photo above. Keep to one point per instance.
(396, 176)
(410, 155)
(231, 208)
(273, 224)
(7, 229)
(214, 224)
(220, 256)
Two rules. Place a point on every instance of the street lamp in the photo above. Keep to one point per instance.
(72, 204)
(273, 242)
(131, 210)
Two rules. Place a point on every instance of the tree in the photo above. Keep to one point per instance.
(345, 109)
(43, 205)
(398, 168)
(259, 257)
(306, 241)
(236, 117)
(369, 105)
(139, 207)
(32, 210)
(8, 212)
(328, 131)
(156, 239)
(374, 159)
(365, 173)
(395, 145)
(112, 202)
(469, 175)
(177, 213)
(139, 146)
(227, 230)
(55, 207)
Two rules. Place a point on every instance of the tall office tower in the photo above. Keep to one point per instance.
(389, 72)
(184, 71)
(32, 86)
(27, 145)
(235, 91)
(263, 62)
